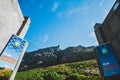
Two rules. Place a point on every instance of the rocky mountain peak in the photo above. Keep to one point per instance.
(54, 55)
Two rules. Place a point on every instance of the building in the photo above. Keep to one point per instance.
(109, 31)
(12, 21)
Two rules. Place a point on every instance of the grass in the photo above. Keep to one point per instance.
(84, 70)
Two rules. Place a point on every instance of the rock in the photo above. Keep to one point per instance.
(54, 55)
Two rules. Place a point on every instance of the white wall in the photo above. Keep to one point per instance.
(11, 19)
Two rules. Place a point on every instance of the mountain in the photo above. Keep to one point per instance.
(54, 55)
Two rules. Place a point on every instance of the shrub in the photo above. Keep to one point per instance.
(52, 75)
(74, 76)
(5, 74)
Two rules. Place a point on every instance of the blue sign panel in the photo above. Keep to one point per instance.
(108, 61)
(12, 52)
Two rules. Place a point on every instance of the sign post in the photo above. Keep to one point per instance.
(107, 61)
(12, 55)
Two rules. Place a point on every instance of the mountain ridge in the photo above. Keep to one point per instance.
(54, 55)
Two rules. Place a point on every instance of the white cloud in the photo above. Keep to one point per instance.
(92, 35)
(73, 11)
(60, 14)
(9, 55)
(6, 66)
(55, 6)
(85, 9)
(96, 43)
(45, 39)
(105, 12)
(101, 3)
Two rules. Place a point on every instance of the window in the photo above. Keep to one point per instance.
(116, 6)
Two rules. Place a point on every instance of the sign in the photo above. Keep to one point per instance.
(10, 56)
(107, 60)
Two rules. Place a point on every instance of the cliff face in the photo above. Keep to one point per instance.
(54, 55)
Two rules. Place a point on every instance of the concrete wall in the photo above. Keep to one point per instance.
(11, 19)
(98, 32)
(111, 28)
(109, 31)
(24, 27)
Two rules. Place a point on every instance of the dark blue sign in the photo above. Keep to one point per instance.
(108, 61)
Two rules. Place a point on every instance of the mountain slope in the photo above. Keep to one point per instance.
(83, 70)
(54, 55)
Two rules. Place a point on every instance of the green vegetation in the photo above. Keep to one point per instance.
(85, 70)
(5, 74)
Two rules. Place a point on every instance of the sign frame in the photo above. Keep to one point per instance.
(113, 77)
(19, 59)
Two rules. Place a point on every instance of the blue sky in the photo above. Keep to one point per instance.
(63, 22)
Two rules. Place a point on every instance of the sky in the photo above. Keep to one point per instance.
(63, 22)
